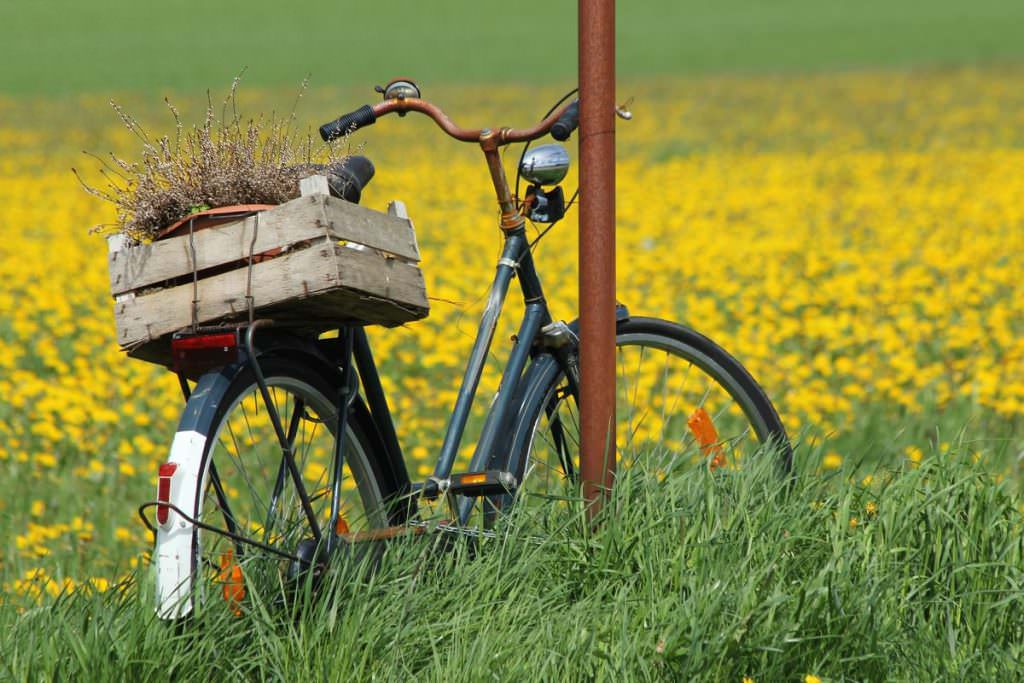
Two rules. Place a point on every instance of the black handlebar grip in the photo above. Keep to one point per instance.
(348, 123)
(567, 122)
(348, 178)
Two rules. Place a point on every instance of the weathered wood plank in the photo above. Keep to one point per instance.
(143, 265)
(396, 207)
(302, 219)
(115, 243)
(314, 184)
(322, 281)
(353, 223)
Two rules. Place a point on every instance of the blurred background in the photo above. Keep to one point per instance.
(112, 45)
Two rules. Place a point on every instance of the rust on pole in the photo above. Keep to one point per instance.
(597, 248)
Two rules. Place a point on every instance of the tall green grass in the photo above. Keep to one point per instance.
(917, 575)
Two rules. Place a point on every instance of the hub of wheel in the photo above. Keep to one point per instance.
(311, 557)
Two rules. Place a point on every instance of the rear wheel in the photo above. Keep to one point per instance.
(248, 491)
(681, 402)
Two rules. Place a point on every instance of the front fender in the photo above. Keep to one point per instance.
(533, 388)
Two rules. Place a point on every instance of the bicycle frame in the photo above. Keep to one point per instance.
(355, 353)
(516, 259)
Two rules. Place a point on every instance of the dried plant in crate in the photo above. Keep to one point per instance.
(223, 161)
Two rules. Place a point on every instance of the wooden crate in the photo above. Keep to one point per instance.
(330, 262)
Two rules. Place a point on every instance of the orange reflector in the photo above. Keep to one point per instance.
(703, 429)
(341, 527)
(470, 479)
(233, 585)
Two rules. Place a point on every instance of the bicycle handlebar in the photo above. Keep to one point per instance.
(360, 118)
(567, 122)
(348, 178)
(368, 115)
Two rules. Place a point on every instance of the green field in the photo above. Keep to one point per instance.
(832, 190)
(113, 45)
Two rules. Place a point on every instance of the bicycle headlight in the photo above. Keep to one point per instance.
(545, 165)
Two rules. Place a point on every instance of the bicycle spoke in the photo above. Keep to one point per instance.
(225, 507)
(245, 414)
(664, 396)
(240, 466)
(282, 469)
(561, 445)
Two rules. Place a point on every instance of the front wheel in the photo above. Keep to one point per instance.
(681, 400)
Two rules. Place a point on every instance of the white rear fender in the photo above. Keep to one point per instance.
(175, 537)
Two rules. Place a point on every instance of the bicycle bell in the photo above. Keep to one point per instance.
(399, 89)
(545, 165)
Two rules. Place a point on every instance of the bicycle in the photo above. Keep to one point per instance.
(259, 486)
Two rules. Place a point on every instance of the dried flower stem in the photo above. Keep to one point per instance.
(219, 162)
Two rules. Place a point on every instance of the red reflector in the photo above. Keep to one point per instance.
(193, 356)
(226, 340)
(163, 490)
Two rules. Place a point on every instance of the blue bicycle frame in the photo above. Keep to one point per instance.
(516, 260)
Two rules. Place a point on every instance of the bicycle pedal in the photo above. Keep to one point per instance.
(471, 484)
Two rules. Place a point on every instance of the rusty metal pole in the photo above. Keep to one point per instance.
(597, 248)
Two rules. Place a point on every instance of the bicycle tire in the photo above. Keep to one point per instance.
(248, 483)
(545, 395)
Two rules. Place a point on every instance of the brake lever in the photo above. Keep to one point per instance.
(622, 110)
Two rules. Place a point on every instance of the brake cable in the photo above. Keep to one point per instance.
(568, 205)
(212, 529)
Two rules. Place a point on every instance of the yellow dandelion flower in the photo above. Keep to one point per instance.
(832, 461)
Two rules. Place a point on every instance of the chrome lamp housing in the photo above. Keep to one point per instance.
(545, 165)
